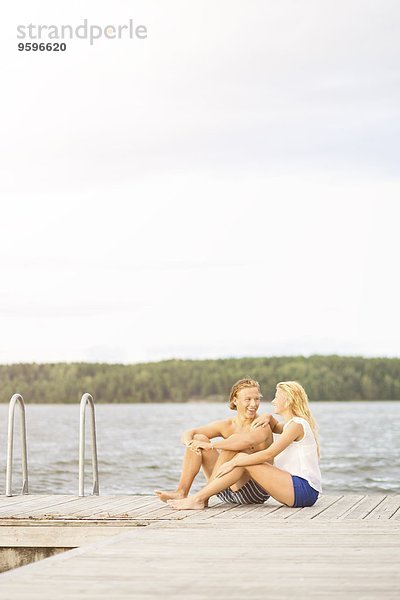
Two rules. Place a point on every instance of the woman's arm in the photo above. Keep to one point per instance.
(292, 431)
(276, 426)
(267, 419)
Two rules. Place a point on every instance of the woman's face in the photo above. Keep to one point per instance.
(248, 401)
(280, 402)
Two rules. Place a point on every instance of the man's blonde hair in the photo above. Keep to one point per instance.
(240, 385)
(298, 404)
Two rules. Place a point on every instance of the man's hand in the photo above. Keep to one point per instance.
(186, 438)
(197, 445)
(261, 421)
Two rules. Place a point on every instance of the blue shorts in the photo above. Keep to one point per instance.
(304, 494)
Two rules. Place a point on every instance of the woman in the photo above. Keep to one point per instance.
(295, 478)
(237, 435)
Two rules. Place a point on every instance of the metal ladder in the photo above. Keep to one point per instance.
(16, 399)
(87, 399)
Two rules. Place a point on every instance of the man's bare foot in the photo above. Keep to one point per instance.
(190, 503)
(164, 496)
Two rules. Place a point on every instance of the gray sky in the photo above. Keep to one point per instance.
(228, 186)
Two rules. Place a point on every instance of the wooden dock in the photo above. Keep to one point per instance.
(345, 546)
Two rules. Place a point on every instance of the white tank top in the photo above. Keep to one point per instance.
(301, 458)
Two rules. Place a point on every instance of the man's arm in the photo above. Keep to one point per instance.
(242, 441)
(236, 441)
(211, 430)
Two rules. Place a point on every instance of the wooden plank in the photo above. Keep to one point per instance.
(323, 503)
(265, 512)
(65, 507)
(25, 508)
(386, 509)
(121, 506)
(364, 508)
(7, 505)
(336, 510)
(210, 513)
(74, 506)
(240, 511)
(88, 506)
(254, 511)
(192, 563)
(281, 513)
(152, 504)
(164, 513)
(396, 515)
(58, 505)
(6, 501)
(143, 507)
(159, 510)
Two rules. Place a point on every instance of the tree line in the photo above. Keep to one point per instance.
(324, 378)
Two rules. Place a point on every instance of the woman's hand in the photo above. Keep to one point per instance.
(225, 468)
(261, 421)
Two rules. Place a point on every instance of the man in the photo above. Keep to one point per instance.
(202, 452)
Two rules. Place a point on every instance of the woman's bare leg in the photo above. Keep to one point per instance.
(276, 482)
(223, 457)
(226, 455)
(191, 465)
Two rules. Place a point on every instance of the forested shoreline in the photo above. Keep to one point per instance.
(324, 378)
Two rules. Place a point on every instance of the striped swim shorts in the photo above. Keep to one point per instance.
(249, 493)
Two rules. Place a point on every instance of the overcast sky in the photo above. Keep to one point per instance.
(227, 187)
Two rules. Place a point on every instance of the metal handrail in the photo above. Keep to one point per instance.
(87, 399)
(16, 399)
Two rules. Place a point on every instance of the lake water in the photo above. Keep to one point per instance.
(139, 448)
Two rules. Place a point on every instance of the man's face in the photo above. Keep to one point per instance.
(248, 401)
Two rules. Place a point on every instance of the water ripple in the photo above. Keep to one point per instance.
(139, 448)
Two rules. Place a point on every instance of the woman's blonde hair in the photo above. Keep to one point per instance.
(239, 385)
(298, 404)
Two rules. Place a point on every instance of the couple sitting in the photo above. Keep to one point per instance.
(247, 466)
